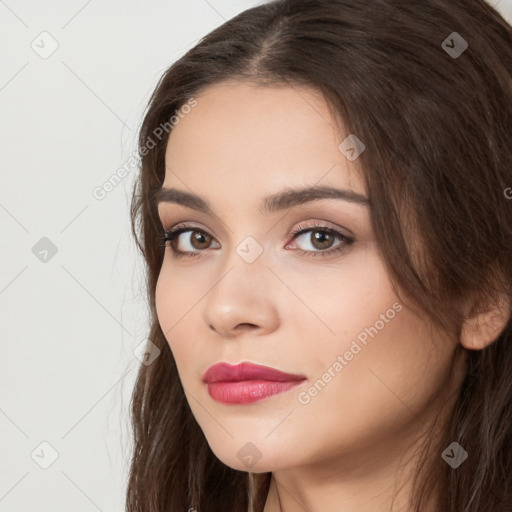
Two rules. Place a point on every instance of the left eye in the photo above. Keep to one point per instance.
(320, 240)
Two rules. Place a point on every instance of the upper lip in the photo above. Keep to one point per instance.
(224, 372)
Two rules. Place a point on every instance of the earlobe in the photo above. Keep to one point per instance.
(483, 328)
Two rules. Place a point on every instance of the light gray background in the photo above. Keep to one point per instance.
(69, 325)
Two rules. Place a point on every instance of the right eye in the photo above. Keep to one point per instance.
(194, 243)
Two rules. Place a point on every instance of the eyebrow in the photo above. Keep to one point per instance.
(288, 198)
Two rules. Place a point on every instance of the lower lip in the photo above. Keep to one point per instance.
(247, 391)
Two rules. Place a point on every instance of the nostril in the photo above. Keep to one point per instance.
(245, 326)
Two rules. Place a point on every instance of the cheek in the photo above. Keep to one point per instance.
(373, 390)
(176, 301)
(347, 296)
(167, 303)
(172, 297)
(375, 347)
(391, 370)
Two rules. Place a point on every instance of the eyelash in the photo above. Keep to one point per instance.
(172, 234)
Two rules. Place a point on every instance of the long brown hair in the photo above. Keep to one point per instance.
(427, 86)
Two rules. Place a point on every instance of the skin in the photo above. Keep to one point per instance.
(353, 442)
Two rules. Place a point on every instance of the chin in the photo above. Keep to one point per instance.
(246, 458)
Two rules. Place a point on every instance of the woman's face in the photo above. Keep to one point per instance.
(317, 306)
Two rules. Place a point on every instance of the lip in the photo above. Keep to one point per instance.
(247, 382)
(224, 372)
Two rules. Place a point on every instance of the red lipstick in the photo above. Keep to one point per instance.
(246, 382)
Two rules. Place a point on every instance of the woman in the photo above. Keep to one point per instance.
(323, 210)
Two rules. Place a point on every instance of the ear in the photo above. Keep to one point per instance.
(483, 327)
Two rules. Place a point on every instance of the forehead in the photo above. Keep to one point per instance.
(252, 140)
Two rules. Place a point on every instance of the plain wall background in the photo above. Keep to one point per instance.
(70, 320)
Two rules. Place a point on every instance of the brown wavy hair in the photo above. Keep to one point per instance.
(437, 129)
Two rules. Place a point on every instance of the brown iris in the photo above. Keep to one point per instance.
(322, 238)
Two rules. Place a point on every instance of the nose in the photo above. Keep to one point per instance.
(241, 301)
